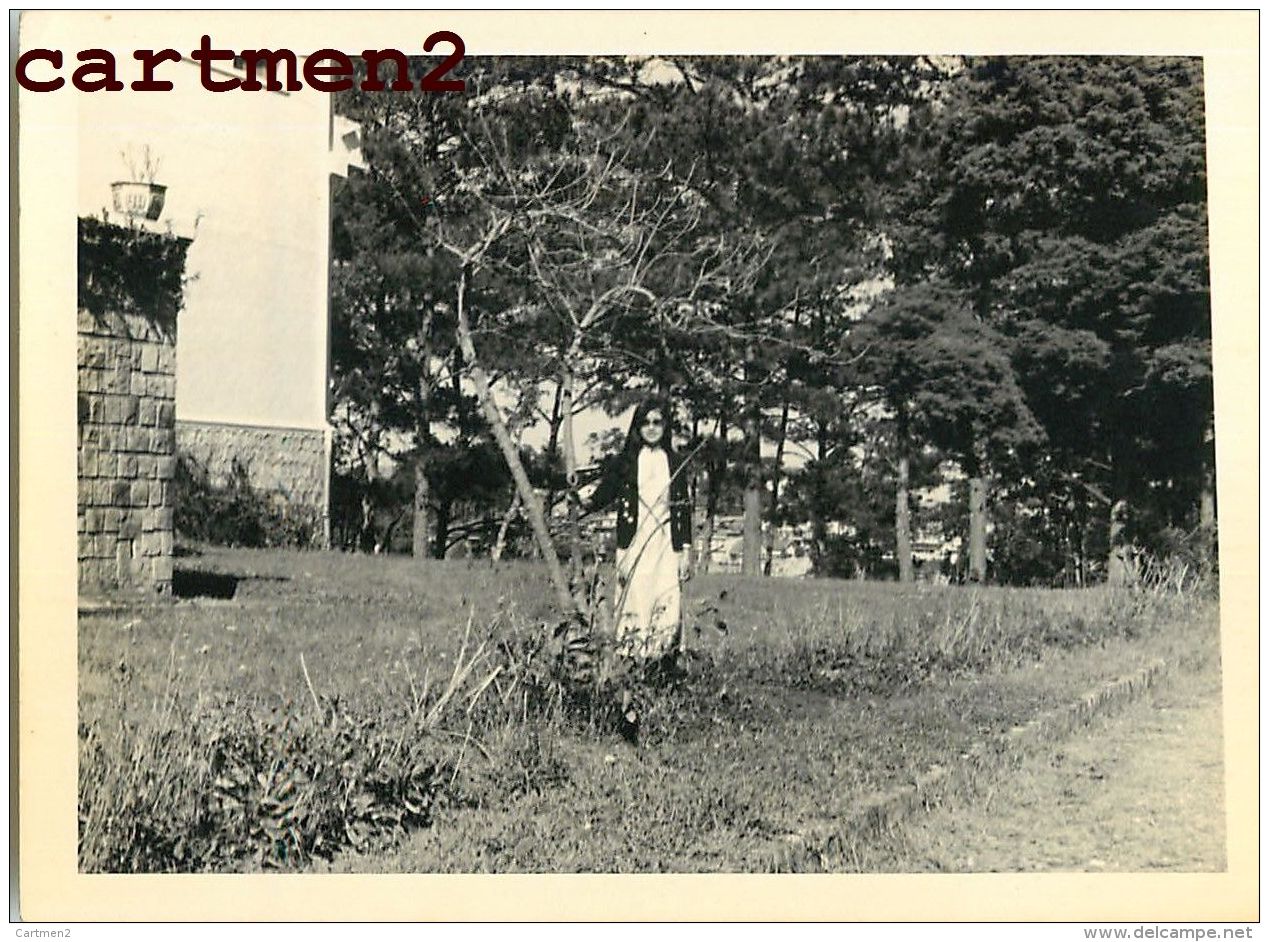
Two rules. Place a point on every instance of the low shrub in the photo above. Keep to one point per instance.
(236, 513)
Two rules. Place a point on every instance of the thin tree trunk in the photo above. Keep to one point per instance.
(702, 535)
(532, 503)
(902, 517)
(1207, 503)
(819, 541)
(364, 539)
(1081, 557)
(773, 512)
(977, 529)
(1069, 553)
(440, 542)
(572, 497)
(819, 526)
(1207, 496)
(384, 543)
(713, 485)
(500, 543)
(751, 561)
(1119, 561)
(694, 501)
(711, 516)
(365, 533)
(552, 446)
(421, 544)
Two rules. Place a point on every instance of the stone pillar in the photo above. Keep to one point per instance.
(129, 292)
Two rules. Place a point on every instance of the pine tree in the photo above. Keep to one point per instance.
(1066, 196)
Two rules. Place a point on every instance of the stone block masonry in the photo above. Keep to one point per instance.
(127, 408)
(127, 447)
(292, 464)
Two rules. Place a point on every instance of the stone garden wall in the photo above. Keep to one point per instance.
(289, 464)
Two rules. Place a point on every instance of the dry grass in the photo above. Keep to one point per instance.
(396, 715)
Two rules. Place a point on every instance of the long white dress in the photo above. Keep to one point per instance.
(648, 600)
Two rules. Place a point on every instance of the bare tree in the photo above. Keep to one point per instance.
(602, 245)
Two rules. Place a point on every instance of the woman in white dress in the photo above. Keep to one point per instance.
(649, 486)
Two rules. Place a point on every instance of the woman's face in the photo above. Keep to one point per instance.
(653, 427)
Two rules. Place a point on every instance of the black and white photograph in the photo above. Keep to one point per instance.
(643, 463)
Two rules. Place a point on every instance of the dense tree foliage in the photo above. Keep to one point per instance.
(889, 296)
(1066, 196)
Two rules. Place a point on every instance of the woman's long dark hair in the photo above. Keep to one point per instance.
(615, 471)
(634, 436)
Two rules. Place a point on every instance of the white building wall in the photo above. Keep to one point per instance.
(248, 176)
(252, 172)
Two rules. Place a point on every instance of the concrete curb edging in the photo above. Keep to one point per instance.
(804, 851)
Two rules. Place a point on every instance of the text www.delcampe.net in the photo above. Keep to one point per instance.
(1168, 932)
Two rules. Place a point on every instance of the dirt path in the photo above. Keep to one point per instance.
(1142, 790)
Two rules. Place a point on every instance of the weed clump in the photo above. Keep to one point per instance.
(847, 645)
(202, 792)
(188, 787)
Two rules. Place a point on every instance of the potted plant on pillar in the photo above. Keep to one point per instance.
(140, 196)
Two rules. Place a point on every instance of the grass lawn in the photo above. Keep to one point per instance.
(377, 714)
